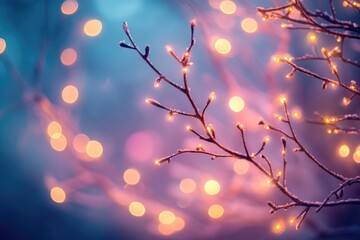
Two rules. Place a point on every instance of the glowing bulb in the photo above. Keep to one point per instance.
(236, 104)
(131, 176)
(346, 101)
(266, 139)
(344, 150)
(2, 45)
(94, 149)
(93, 27)
(311, 37)
(58, 194)
(216, 211)
(137, 209)
(70, 94)
(278, 226)
(59, 143)
(54, 130)
(282, 100)
(222, 46)
(187, 185)
(212, 187)
(167, 217)
(68, 57)
(249, 25)
(69, 7)
(212, 96)
(228, 7)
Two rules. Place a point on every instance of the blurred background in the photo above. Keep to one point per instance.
(78, 142)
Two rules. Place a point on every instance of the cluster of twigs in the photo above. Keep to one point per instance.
(299, 17)
(207, 133)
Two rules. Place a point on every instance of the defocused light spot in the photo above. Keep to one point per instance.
(356, 155)
(216, 211)
(311, 37)
(70, 94)
(58, 195)
(131, 176)
(69, 7)
(214, 3)
(212, 187)
(68, 57)
(79, 142)
(249, 25)
(228, 7)
(2, 45)
(178, 224)
(59, 143)
(187, 185)
(222, 46)
(54, 130)
(241, 167)
(166, 217)
(165, 229)
(141, 146)
(93, 27)
(94, 149)
(236, 104)
(278, 226)
(137, 209)
(344, 150)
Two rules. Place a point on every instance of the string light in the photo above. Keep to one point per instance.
(311, 37)
(187, 185)
(68, 57)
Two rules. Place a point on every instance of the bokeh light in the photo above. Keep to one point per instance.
(228, 7)
(311, 37)
(54, 130)
(222, 46)
(70, 94)
(278, 226)
(344, 150)
(58, 194)
(79, 142)
(2, 45)
(167, 217)
(249, 25)
(69, 7)
(137, 209)
(236, 104)
(165, 229)
(241, 167)
(68, 57)
(187, 185)
(94, 149)
(93, 27)
(59, 143)
(216, 211)
(131, 176)
(212, 187)
(356, 155)
(178, 224)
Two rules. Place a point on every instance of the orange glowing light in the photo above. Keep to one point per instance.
(278, 227)
(58, 144)
(228, 7)
(187, 185)
(131, 176)
(212, 187)
(70, 94)
(241, 167)
(68, 57)
(311, 37)
(356, 155)
(344, 150)
(94, 149)
(178, 224)
(54, 130)
(165, 229)
(236, 104)
(216, 211)
(249, 25)
(79, 142)
(137, 209)
(69, 7)
(58, 194)
(167, 217)
(93, 27)
(222, 46)
(2, 45)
